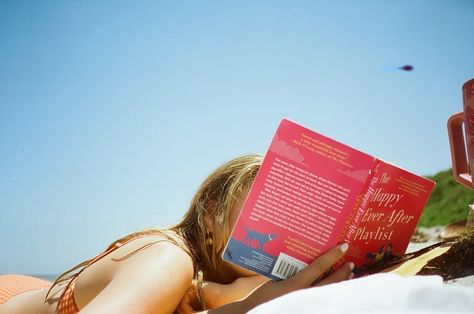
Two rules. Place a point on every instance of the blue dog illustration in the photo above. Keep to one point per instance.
(259, 238)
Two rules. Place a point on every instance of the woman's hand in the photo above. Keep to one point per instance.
(304, 279)
(307, 277)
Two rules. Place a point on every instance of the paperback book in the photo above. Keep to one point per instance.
(312, 193)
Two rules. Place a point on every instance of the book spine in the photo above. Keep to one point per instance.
(361, 205)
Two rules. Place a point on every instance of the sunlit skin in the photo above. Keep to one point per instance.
(95, 290)
(123, 287)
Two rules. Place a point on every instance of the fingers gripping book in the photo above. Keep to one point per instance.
(313, 192)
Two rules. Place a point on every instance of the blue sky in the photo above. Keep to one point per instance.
(112, 113)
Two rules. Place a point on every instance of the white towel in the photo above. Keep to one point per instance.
(377, 294)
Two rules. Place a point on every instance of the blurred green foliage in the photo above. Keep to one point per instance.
(448, 203)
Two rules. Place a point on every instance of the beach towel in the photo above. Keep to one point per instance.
(377, 294)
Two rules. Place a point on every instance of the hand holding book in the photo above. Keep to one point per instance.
(313, 192)
(303, 279)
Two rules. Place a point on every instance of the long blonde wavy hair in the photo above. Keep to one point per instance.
(212, 203)
(214, 199)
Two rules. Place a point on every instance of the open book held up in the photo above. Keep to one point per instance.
(312, 193)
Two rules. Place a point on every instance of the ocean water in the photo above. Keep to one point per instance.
(46, 277)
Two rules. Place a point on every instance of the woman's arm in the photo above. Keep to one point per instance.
(217, 294)
(153, 281)
(304, 279)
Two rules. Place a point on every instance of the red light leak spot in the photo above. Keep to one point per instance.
(406, 68)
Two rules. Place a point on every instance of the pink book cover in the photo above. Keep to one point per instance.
(310, 194)
(396, 202)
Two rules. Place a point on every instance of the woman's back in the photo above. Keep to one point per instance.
(138, 266)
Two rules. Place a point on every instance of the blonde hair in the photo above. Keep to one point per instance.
(215, 198)
(212, 203)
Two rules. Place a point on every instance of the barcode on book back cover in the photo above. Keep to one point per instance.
(286, 266)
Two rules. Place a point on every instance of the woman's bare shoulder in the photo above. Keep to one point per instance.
(149, 279)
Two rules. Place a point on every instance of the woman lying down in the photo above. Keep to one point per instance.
(178, 269)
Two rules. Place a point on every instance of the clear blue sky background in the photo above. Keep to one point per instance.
(112, 113)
